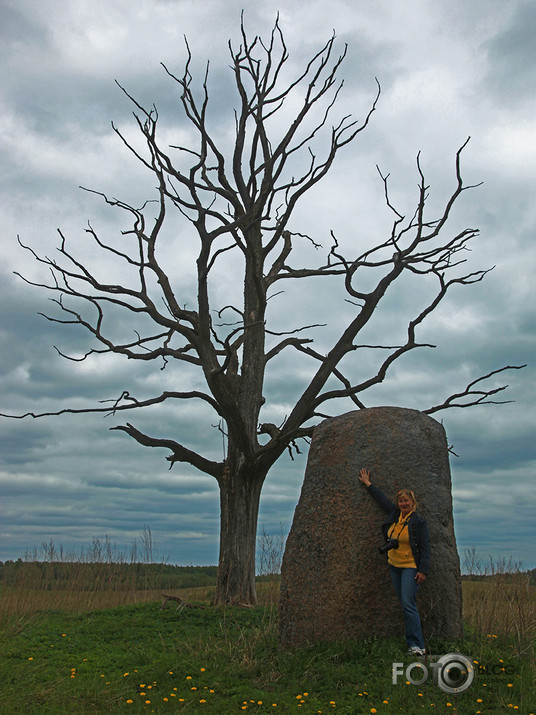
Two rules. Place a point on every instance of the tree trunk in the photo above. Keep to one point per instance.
(240, 490)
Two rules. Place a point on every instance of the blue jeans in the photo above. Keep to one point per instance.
(406, 589)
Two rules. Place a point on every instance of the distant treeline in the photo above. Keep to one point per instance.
(59, 575)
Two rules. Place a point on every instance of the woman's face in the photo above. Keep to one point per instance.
(405, 504)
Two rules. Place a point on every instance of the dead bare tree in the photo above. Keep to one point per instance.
(240, 201)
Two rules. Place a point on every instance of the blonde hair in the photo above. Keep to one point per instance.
(406, 493)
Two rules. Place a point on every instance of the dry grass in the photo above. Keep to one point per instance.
(500, 601)
(21, 600)
(100, 576)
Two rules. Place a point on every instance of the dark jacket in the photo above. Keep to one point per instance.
(419, 539)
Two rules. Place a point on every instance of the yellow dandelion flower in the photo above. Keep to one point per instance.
(172, 695)
(170, 672)
(305, 695)
(63, 635)
(147, 702)
(202, 670)
(202, 701)
(509, 685)
(165, 700)
(188, 677)
(125, 675)
(30, 658)
(143, 693)
(129, 702)
(373, 710)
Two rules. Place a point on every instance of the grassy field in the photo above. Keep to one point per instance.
(63, 651)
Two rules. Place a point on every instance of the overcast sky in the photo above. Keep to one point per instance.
(448, 69)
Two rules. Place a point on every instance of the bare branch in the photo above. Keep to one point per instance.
(132, 404)
(476, 396)
(179, 453)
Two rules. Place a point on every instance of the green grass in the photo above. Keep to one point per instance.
(139, 658)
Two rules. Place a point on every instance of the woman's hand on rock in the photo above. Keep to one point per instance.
(364, 477)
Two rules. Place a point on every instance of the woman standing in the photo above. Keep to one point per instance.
(408, 549)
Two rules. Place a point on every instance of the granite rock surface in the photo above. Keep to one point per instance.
(334, 582)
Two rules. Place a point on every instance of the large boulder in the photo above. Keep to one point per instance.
(334, 582)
